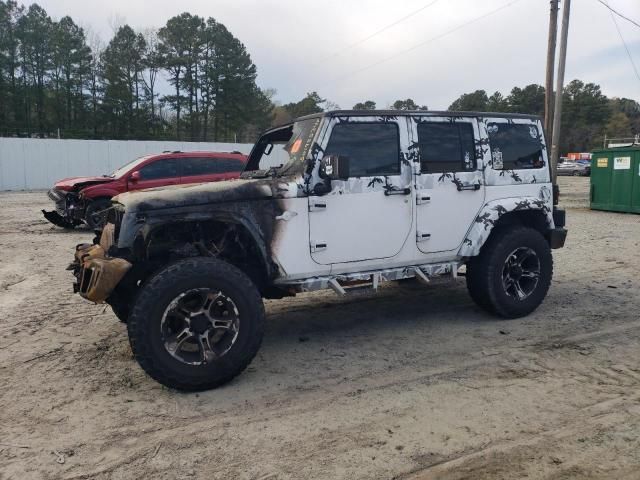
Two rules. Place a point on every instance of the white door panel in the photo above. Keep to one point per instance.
(445, 217)
(447, 199)
(368, 216)
(358, 226)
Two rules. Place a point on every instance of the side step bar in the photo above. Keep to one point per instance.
(365, 282)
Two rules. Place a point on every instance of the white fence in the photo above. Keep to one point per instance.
(27, 163)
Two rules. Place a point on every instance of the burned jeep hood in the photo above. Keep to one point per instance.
(237, 190)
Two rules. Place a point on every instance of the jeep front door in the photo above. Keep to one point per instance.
(450, 188)
(369, 215)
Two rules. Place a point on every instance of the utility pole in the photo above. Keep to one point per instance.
(551, 58)
(557, 111)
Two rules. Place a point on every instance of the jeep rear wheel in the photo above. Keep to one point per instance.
(196, 324)
(512, 274)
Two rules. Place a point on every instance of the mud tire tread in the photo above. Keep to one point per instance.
(155, 293)
(484, 272)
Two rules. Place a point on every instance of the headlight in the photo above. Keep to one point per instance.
(54, 195)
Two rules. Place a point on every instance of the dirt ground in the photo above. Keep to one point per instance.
(413, 383)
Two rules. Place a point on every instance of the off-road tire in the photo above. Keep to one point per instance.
(146, 315)
(121, 311)
(484, 272)
(93, 209)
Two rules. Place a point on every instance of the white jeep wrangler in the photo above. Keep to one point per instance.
(355, 199)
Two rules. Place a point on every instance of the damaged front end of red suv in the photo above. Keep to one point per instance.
(70, 207)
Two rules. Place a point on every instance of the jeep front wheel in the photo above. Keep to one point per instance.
(512, 274)
(196, 324)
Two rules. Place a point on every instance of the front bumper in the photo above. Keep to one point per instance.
(57, 219)
(96, 273)
(69, 210)
(557, 236)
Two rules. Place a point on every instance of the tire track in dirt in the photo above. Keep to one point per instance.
(382, 385)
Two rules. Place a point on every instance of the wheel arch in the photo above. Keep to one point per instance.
(99, 198)
(496, 215)
(95, 192)
(197, 236)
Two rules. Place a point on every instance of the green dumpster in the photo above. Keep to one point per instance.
(615, 179)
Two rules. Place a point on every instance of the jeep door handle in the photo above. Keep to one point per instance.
(474, 187)
(314, 207)
(399, 191)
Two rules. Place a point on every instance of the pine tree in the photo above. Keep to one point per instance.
(34, 33)
(122, 65)
(71, 66)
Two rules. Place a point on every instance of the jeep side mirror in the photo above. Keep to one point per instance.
(334, 167)
(134, 177)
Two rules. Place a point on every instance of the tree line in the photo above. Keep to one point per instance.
(587, 114)
(53, 82)
(192, 79)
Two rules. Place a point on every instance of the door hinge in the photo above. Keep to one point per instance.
(422, 198)
(318, 246)
(422, 236)
(319, 206)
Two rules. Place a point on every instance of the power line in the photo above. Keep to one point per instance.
(377, 32)
(618, 13)
(633, 64)
(432, 39)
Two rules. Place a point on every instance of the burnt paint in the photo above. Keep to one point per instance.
(253, 204)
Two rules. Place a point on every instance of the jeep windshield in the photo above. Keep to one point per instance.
(282, 151)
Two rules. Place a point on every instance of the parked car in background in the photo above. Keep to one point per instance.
(575, 169)
(85, 199)
(587, 166)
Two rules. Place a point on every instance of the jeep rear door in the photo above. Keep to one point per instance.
(368, 216)
(449, 188)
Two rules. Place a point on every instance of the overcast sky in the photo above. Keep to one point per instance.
(303, 45)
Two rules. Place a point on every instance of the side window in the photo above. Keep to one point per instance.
(200, 166)
(446, 147)
(515, 146)
(372, 148)
(209, 166)
(165, 168)
(231, 165)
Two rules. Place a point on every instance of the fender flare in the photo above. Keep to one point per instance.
(244, 221)
(492, 211)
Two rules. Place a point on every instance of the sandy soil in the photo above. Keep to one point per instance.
(414, 383)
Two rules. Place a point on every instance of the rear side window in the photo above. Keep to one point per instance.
(372, 148)
(209, 166)
(446, 147)
(165, 168)
(515, 146)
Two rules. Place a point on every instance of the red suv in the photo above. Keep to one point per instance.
(85, 199)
